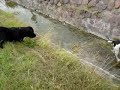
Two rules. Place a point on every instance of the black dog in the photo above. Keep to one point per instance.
(15, 34)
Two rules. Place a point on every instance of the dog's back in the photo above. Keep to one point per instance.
(7, 34)
(3, 29)
(3, 33)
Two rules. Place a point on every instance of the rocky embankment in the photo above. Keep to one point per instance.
(99, 17)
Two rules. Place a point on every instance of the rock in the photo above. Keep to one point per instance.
(117, 3)
(61, 1)
(111, 4)
(76, 1)
(56, 2)
(51, 2)
(85, 1)
(106, 15)
(59, 4)
(115, 33)
(71, 14)
(101, 6)
(66, 1)
(85, 14)
(106, 1)
(91, 22)
(114, 21)
(40, 1)
(93, 3)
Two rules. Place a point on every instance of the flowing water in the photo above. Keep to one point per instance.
(91, 50)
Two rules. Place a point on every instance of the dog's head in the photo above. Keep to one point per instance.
(115, 42)
(28, 32)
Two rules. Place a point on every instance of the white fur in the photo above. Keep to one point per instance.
(116, 51)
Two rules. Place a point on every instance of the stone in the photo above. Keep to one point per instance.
(66, 1)
(71, 14)
(85, 14)
(111, 4)
(115, 33)
(61, 1)
(101, 6)
(114, 20)
(59, 4)
(76, 1)
(56, 2)
(85, 1)
(106, 15)
(51, 2)
(106, 1)
(117, 3)
(39, 1)
(91, 22)
(92, 3)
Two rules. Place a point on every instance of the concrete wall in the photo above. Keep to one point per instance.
(99, 17)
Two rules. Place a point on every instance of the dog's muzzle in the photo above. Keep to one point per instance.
(34, 35)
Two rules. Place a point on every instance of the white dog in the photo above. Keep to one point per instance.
(116, 48)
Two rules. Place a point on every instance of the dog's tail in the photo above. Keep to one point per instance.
(110, 41)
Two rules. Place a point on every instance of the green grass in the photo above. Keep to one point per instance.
(11, 4)
(8, 20)
(36, 64)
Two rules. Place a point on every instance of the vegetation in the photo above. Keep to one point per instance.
(11, 4)
(6, 19)
(36, 64)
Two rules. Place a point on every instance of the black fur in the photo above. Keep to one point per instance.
(15, 34)
(116, 42)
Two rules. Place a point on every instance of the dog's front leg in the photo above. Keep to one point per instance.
(116, 51)
(21, 39)
(113, 50)
(1, 43)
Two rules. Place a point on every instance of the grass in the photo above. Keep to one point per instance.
(36, 64)
(7, 19)
(11, 4)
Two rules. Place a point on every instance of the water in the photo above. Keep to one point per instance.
(91, 50)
